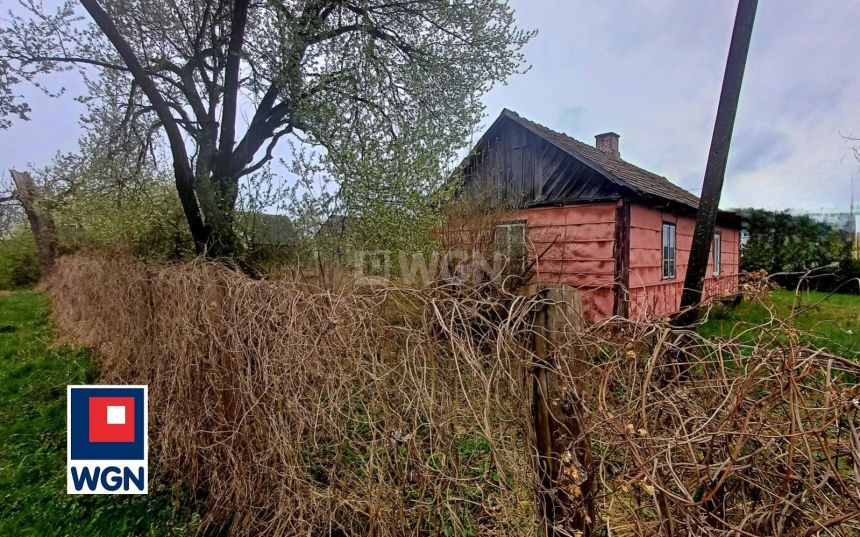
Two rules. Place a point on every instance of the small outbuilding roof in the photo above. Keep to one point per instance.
(615, 169)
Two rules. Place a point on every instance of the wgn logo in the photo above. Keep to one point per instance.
(107, 442)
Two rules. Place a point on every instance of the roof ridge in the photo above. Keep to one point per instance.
(578, 141)
(621, 170)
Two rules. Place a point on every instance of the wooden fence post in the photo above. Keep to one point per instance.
(564, 460)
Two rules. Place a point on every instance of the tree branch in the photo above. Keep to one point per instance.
(269, 152)
(181, 166)
(231, 87)
(74, 59)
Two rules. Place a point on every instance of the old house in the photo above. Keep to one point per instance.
(619, 233)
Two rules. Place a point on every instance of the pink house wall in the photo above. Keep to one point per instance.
(577, 243)
(650, 294)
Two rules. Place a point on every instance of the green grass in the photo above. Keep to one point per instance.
(832, 321)
(33, 499)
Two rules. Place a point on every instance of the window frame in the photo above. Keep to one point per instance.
(508, 246)
(717, 253)
(669, 252)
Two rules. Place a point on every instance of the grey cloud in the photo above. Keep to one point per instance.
(753, 150)
(570, 118)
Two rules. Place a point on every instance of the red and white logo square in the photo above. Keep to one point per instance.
(111, 419)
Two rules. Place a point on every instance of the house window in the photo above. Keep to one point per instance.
(717, 254)
(511, 242)
(668, 251)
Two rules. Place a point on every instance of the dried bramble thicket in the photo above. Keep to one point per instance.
(290, 409)
(694, 437)
(301, 411)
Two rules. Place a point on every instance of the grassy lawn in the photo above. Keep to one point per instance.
(833, 321)
(33, 499)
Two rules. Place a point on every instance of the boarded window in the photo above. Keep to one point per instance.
(717, 254)
(668, 251)
(511, 243)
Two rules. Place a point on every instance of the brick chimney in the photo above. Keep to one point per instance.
(608, 143)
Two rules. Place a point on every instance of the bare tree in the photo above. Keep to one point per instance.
(348, 76)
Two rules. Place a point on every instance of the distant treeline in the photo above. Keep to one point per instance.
(797, 247)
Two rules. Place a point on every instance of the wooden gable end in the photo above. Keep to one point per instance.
(514, 165)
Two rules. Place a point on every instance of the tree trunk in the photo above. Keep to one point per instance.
(39, 216)
(222, 241)
(217, 199)
(200, 232)
(715, 169)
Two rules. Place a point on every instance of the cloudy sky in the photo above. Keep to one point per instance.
(651, 71)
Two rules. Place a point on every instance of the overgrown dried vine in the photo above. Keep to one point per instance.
(293, 409)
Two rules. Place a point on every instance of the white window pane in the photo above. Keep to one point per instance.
(716, 254)
(668, 251)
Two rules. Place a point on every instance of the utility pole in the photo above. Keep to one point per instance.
(855, 228)
(715, 169)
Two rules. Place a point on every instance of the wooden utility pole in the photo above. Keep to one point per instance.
(40, 218)
(716, 168)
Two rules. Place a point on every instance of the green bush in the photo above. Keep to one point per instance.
(19, 262)
(148, 225)
(845, 277)
(798, 250)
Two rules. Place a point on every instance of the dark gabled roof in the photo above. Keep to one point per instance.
(616, 170)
